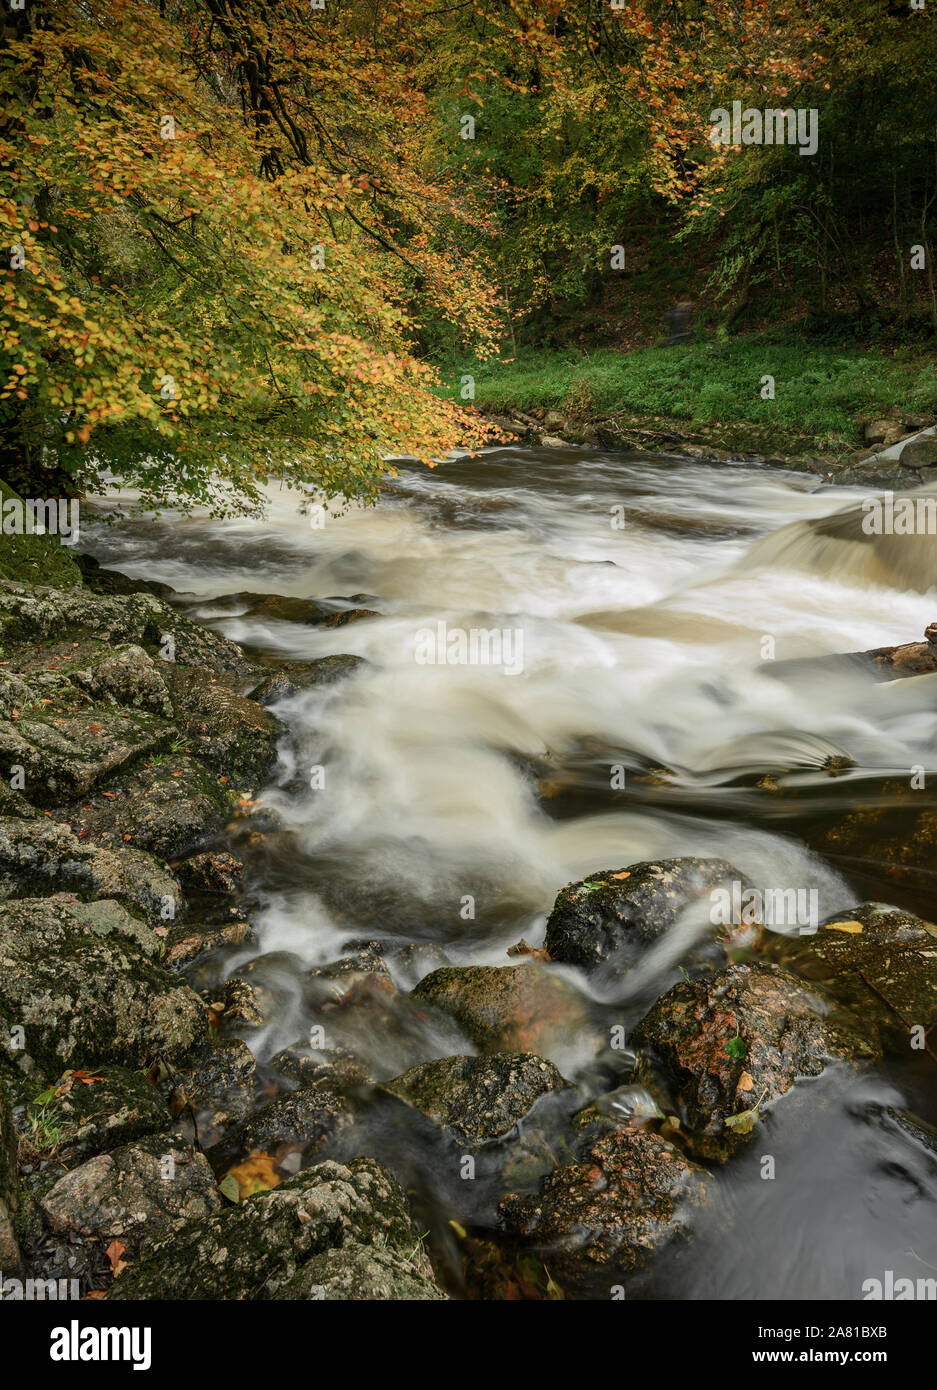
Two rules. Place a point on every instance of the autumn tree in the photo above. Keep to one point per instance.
(222, 230)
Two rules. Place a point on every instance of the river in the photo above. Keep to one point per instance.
(665, 688)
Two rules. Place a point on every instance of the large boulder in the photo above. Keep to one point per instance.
(34, 614)
(335, 1231)
(477, 1098)
(139, 1193)
(612, 917)
(514, 1008)
(919, 453)
(594, 1221)
(72, 754)
(84, 983)
(737, 1040)
(43, 856)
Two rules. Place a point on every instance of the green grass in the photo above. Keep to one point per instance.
(819, 390)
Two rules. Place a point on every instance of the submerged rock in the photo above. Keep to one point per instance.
(739, 1039)
(514, 1008)
(136, 1194)
(613, 916)
(477, 1098)
(595, 1220)
(313, 1234)
(84, 982)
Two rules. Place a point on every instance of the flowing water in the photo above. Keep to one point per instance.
(667, 625)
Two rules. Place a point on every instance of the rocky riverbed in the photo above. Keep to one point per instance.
(186, 1112)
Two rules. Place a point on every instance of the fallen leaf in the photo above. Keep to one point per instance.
(853, 927)
(746, 1081)
(113, 1253)
(255, 1174)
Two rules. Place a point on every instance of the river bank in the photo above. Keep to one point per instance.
(269, 884)
(823, 408)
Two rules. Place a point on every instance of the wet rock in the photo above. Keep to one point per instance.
(166, 808)
(289, 609)
(297, 676)
(919, 453)
(43, 856)
(240, 1003)
(477, 1098)
(302, 1065)
(740, 1039)
(72, 754)
(187, 943)
(304, 1121)
(217, 872)
(261, 1248)
(136, 1194)
(233, 735)
(216, 1080)
(338, 979)
(593, 1221)
(89, 1117)
(84, 982)
(513, 1008)
(882, 963)
(9, 1247)
(612, 917)
(128, 677)
(907, 659)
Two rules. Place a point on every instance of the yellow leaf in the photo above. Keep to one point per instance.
(852, 927)
(746, 1081)
(255, 1174)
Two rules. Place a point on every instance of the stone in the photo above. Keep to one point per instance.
(214, 1082)
(130, 678)
(304, 1121)
(513, 1008)
(477, 1099)
(138, 1193)
(10, 1261)
(186, 943)
(212, 872)
(233, 735)
(91, 1116)
(270, 1245)
(740, 1039)
(84, 982)
(612, 917)
(167, 808)
(296, 676)
(43, 856)
(593, 1221)
(74, 754)
(919, 453)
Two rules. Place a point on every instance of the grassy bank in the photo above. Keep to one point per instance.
(712, 390)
